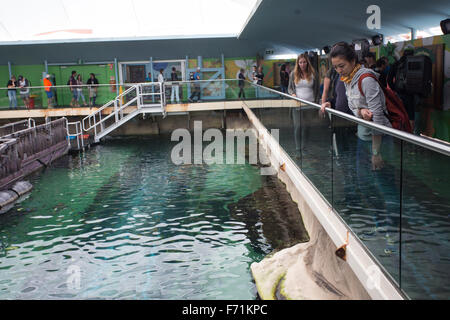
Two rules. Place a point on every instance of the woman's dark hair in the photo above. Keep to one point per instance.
(174, 69)
(369, 55)
(283, 67)
(380, 62)
(344, 50)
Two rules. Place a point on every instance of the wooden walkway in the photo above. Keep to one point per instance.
(170, 108)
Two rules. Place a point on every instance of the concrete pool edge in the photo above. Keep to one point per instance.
(360, 276)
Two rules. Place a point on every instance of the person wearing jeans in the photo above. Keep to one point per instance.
(175, 87)
(12, 85)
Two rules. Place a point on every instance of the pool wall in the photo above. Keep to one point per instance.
(312, 270)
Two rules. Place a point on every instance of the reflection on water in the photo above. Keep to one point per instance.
(122, 222)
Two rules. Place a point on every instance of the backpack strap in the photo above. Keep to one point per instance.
(362, 77)
(371, 75)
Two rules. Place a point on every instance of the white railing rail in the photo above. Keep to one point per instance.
(139, 91)
(78, 133)
(96, 118)
(17, 125)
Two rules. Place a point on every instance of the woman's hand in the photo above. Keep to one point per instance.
(366, 114)
(325, 105)
(377, 162)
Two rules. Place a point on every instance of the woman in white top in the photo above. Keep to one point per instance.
(161, 80)
(161, 76)
(80, 90)
(303, 84)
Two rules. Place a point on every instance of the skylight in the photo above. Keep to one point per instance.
(48, 20)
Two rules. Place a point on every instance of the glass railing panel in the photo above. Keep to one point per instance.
(366, 188)
(236, 90)
(30, 99)
(344, 145)
(179, 88)
(4, 100)
(278, 113)
(59, 97)
(425, 259)
(84, 96)
(313, 147)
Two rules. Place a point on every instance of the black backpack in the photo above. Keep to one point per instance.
(414, 75)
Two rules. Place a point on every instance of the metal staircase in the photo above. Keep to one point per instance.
(141, 98)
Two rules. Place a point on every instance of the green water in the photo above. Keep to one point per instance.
(121, 221)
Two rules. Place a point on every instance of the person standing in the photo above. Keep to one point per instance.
(258, 79)
(24, 90)
(175, 86)
(260, 76)
(93, 87)
(48, 90)
(80, 90)
(371, 106)
(303, 84)
(196, 87)
(409, 100)
(366, 100)
(328, 85)
(284, 78)
(161, 76)
(12, 85)
(73, 88)
(369, 59)
(254, 72)
(241, 83)
(382, 69)
(161, 80)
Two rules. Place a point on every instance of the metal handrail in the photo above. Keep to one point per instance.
(431, 145)
(77, 134)
(130, 84)
(119, 106)
(426, 143)
(108, 104)
(6, 142)
(81, 85)
(29, 122)
(12, 124)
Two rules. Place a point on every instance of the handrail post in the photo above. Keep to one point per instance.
(102, 127)
(138, 96)
(80, 133)
(115, 111)
(161, 93)
(78, 137)
(95, 127)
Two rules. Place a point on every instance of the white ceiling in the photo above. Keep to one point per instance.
(44, 20)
